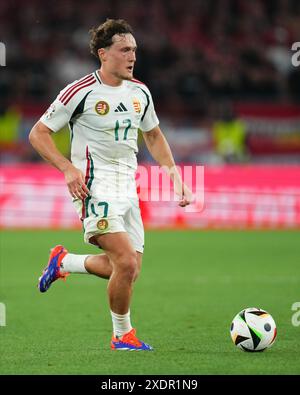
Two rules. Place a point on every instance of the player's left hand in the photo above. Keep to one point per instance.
(185, 194)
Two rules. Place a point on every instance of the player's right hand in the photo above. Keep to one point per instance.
(75, 182)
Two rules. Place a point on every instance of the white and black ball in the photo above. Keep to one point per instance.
(253, 329)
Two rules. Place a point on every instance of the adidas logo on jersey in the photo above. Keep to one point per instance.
(121, 108)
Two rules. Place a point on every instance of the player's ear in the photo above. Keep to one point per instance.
(102, 54)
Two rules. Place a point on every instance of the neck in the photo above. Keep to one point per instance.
(109, 79)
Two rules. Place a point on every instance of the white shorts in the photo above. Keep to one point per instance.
(109, 215)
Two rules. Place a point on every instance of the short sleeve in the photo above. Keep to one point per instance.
(61, 110)
(149, 119)
(57, 116)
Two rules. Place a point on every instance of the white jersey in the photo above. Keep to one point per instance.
(104, 123)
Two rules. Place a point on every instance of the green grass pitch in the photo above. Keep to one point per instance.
(191, 286)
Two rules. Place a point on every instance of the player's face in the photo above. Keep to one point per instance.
(120, 56)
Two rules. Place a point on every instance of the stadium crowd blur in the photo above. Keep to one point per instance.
(200, 58)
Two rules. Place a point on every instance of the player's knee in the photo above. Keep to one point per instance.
(127, 263)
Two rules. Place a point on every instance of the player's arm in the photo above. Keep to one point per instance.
(160, 151)
(41, 140)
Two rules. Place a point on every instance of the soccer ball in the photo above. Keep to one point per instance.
(253, 329)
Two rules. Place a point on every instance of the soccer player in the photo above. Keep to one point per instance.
(104, 111)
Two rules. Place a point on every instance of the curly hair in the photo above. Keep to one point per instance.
(101, 36)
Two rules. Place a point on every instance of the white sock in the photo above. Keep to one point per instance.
(121, 323)
(73, 263)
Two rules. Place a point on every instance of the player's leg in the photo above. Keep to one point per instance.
(61, 263)
(101, 266)
(123, 258)
(134, 227)
(126, 264)
(98, 265)
(139, 257)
